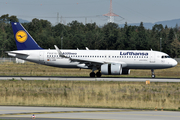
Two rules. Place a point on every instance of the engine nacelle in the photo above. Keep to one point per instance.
(125, 71)
(111, 69)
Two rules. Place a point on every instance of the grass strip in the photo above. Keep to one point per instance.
(92, 94)
(33, 69)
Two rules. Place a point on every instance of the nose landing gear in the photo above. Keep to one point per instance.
(153, 75)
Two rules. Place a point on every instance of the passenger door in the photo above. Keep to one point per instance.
(41, 57)
(152, 57)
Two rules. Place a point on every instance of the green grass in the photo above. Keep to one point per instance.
(32, 69)
(91, 94)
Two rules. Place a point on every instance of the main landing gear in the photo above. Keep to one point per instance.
(98, 74)
(92, 74)
(153, 75)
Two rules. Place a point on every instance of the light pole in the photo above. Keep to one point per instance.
(61, 42)
(160, 43)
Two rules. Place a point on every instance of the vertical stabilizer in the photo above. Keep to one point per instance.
(23, 39)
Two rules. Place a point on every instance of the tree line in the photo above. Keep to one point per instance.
(107, 37)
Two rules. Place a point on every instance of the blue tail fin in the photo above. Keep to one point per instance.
(24, 41)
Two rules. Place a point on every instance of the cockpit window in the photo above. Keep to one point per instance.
(165, 57)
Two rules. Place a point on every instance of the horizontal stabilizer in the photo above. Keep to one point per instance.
(17, 53)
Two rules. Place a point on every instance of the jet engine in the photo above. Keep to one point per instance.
(111, 69)
(125, 71)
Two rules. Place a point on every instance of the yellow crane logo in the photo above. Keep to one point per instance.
(21, 36)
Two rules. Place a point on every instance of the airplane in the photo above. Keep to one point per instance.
(107, 62)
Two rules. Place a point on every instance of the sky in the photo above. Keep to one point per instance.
(89, 11)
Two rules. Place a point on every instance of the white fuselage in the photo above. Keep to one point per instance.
(130, 59)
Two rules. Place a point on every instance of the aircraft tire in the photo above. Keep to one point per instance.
(153, 76)
(92, 74)
(98, 74)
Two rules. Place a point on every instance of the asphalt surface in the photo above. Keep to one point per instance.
(48, 113)
(89, 79)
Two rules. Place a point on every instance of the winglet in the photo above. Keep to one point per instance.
(59, 52)
(87, 48)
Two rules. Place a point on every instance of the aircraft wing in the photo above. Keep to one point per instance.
(90, 62)
(87, 62)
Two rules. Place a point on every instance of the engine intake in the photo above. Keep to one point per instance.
(125, 71)
(111, 69)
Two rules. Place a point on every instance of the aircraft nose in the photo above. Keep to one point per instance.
(174, 63)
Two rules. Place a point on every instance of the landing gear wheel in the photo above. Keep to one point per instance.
(98, 74)
(153, 76)
(92, 74)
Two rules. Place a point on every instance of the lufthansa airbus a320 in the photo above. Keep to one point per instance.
(107, 62)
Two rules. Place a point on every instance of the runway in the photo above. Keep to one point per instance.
(61, 113)
(89, 79)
